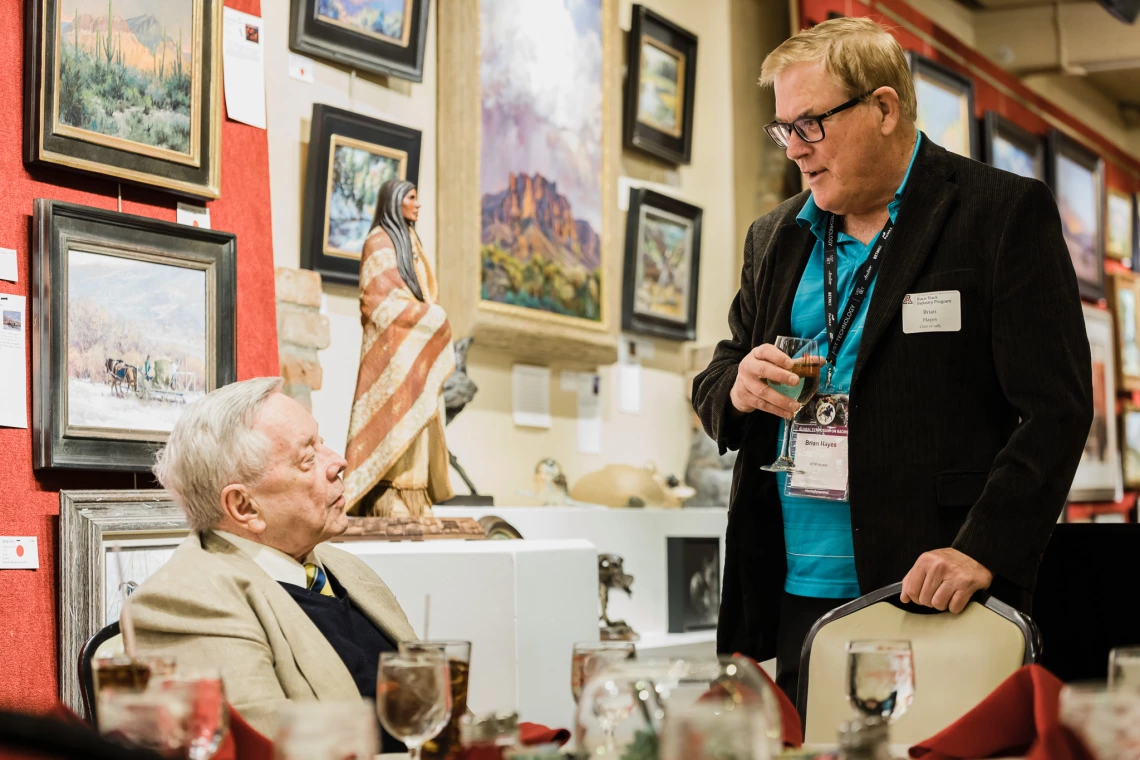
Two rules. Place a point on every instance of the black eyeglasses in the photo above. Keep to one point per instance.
(809, 128)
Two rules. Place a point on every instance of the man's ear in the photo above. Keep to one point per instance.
(887, 101)
(239, 506)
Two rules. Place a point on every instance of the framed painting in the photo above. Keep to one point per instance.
(1130, 444)
(134, 319)
(1011, 148)
(945, 105)
(693, 583)
(145, 526)
(1076, 175)
(130, 89)
(1123, 295)
(659, 88)
(662, 266)
(1118, 226)
(527, 214)
(350, 156)
(1098, 475)
(384, 37)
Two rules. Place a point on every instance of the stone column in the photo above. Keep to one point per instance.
(301, 331)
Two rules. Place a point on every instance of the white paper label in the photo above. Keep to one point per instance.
(19, 553)
(8, 269)
(940, 311)
(13, 362)
(193, 216)
(530, 396)
(301, 68)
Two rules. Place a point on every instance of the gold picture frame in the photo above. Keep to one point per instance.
(678, 108)
(1118, 225)
(525, 333)
(1123, 295)
(338, 141)
(49, 139)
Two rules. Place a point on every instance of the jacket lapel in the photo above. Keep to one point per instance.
(370, 596)
(315, 657)
(928, 197)
(793, 249)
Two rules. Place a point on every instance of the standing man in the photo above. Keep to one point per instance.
(942, 297)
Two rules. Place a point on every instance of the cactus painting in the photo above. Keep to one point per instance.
(125, 71)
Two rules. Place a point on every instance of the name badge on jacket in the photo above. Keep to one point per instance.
(940, 311)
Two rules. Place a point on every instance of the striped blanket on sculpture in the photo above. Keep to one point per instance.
(405, 357)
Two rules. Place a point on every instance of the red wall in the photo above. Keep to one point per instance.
(29, 503)
(1122, 171)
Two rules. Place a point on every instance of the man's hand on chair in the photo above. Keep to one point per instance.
(944, 579)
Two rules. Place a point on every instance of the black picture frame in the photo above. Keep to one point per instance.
(336, 126)
(1062, 146)
(996, 126)
(961, 85)
(639, 131)
(694, 576)
(61, 230)
(196, 174)
(644, 203)
(311, 34)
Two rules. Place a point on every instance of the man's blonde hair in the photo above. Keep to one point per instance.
(859, 53)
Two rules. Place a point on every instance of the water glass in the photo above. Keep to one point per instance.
(326, 731)
(806, 364)
(413, 697)
(880, 677)
(209, 715)
(1124, 668)
(154, 719)
(458, 654)
(1107, 721)
(708, 731)
(592, 657)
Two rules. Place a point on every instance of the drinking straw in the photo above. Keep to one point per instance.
(427, 615)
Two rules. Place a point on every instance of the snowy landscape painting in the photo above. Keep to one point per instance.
(126, 72)
(356, 172)
(389, 20)
(541, 155)
(137, 343)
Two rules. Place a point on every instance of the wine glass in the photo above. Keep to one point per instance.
(154, 719)
(326, 731)
(413, 697)
(806, 363)
(458, 654)
(1124, 668)
(880, 677)
(592, 657)
(209, 716)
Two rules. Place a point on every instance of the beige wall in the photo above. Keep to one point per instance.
(499, 456)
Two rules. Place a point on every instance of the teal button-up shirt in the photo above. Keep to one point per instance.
(817, 533)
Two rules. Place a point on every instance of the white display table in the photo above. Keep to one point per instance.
(522, 604)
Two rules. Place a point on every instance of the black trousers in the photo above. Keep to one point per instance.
(797, 615)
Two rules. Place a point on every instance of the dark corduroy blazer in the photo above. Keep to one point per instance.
(964, 439)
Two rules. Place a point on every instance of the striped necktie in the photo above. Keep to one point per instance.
(316, 580)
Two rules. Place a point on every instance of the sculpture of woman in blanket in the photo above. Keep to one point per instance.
(397, 456)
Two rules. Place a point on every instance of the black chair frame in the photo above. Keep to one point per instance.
(891, 594)
(86, 672)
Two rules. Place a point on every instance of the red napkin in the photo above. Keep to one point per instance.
(243, 742)
(531, 734)
(1020, 717)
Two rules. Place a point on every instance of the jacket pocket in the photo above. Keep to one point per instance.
(959, 489)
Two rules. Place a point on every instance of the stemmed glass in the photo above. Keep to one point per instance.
(458, 654)
(1124, 668)
(806, 363)
(413, 696)
(591, 657)
(880, 677)
(209, 717)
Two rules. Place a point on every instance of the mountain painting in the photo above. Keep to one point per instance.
(137, 342)
(390, 20)
(541, 155)
(126, 71)
(357, 172)
(1077, 197)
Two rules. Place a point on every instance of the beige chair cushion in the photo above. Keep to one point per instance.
(112, 647)
(958, 660)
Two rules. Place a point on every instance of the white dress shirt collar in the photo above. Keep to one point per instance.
(276, 563)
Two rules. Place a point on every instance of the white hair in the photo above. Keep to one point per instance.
(213, 445)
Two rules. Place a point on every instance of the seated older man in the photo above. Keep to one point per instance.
(254, 589)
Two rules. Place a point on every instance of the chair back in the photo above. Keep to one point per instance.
(107, 642)
(958, 660)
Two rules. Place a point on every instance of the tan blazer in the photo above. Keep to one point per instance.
(211, 605)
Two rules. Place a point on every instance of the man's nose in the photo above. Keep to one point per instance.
(337, 466)
(797, 147)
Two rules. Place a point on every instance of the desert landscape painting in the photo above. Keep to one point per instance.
(125, 73)
(389, 20)
(541, 155)
(664, 257)
(357, 171)
(137, 342)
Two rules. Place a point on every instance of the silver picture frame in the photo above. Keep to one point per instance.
(146, 525)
